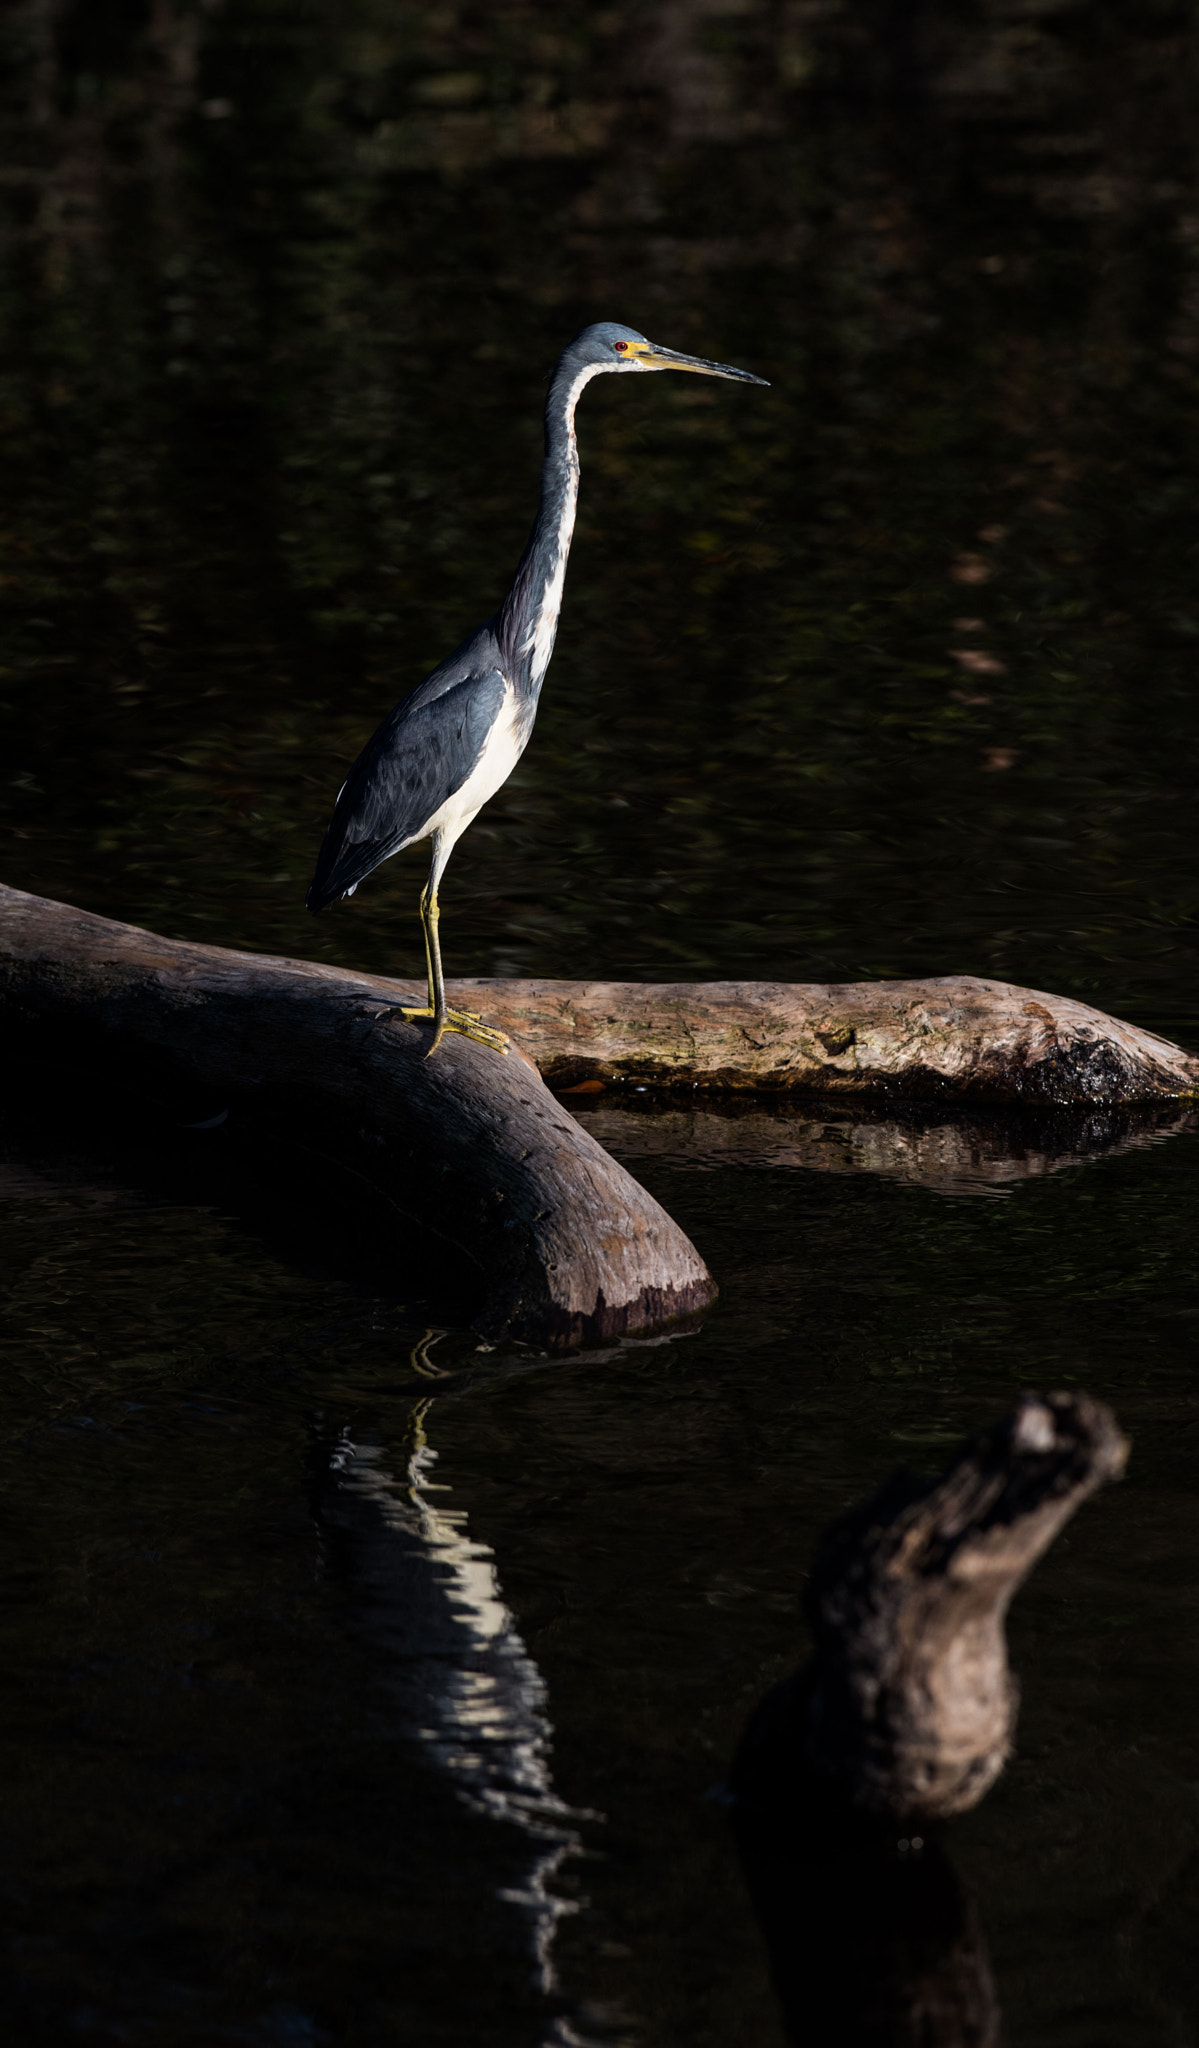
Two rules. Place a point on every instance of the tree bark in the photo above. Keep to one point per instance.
(953, 1037)
(903, 1717)
(909, 1706)
(470, 1145)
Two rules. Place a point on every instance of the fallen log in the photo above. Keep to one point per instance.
(907, 1709)
(953, 1037)
(471, 1145)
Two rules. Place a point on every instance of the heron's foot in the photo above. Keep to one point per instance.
(468, 1022)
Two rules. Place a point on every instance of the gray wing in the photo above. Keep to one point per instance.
(420, 755)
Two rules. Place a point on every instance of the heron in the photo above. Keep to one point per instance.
(454, 740)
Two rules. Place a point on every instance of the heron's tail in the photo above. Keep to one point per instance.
(342, 864)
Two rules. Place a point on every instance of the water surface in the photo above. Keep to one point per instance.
(343, 1656)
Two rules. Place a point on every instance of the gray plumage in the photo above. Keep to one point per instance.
(456, 737)
(421, 754)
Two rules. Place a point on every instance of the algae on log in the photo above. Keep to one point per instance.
(471, 1145)
(953, 1037)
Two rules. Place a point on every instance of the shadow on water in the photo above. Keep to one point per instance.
(136, 1126)
(873, 1940)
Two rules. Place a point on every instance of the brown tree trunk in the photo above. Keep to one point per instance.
(903, 1718)
(907, 1709)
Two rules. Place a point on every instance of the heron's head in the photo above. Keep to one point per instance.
(606, 346)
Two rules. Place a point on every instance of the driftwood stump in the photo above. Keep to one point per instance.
(469, 1146)
(907, 1709)
(903, 1718)
(912, 1705)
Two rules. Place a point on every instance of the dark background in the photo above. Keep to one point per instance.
(886, 670)
(283, 283)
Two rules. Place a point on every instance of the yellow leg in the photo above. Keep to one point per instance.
(420, 1360)
(443, 1018)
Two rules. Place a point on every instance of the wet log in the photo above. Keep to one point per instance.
(954, 1037)
(907, 1710)
(470, 1145)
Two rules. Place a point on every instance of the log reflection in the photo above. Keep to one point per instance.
(953, 1152)
(873, 1940)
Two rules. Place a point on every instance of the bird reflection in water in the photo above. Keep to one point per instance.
(873, 1941)
(427, 1596)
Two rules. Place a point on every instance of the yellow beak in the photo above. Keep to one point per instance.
(654, 358)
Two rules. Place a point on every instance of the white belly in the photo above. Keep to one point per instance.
(505, 744)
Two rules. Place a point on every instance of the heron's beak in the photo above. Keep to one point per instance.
(653, 358)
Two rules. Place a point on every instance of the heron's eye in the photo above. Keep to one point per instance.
(620, 347)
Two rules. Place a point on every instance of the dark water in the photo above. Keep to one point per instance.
(887, 670)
